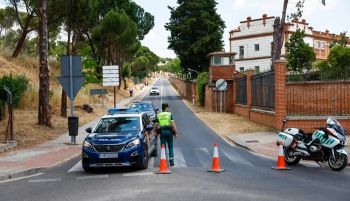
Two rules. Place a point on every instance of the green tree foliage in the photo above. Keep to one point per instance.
(202, 80)
(300, 56)
(7, 19)
(145, 62)
(343, 41)
(17, 84)
(337, 65)
(126, 72)
(196, 30)
(172, 66)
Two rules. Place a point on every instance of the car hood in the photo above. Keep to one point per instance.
(111, 138)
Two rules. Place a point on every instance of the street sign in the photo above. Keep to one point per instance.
(110, 75)
(71, 80)
(98, 91)
(221, 85)
(71, 76)
(76, 63)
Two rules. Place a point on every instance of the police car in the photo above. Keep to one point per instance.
(124, 137)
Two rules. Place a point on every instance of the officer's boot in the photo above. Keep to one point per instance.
(171, 162)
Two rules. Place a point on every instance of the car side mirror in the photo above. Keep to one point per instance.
(88, 130)
(156, 110)
(149, 128)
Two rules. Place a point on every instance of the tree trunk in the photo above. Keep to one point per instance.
(278, 35)
(44, 113)
(20, 43)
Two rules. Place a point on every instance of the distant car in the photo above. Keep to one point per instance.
(147, 107)
(119, 139)
(154, 91)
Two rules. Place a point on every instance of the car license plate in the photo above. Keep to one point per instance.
(108, 156)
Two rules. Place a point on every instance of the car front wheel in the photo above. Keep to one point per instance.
(143, 160)
(86, 165)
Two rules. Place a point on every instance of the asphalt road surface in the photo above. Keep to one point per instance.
(248, 176)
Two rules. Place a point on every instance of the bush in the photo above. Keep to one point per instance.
(18, 85)
(337, 65)
(202, 80)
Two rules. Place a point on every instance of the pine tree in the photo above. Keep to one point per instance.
(196, 30)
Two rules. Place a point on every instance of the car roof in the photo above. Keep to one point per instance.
(139, 114)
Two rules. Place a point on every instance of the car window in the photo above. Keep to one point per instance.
(143, 106)
(118, 124)
(154, 87)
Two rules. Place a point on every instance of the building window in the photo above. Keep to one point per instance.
(241, 69)
(256, 47)
(217, 61)
(257, 69)
(241, 51)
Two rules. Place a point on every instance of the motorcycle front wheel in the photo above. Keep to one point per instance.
(289, 158)
(339, 162)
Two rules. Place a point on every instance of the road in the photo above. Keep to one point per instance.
(247, 177)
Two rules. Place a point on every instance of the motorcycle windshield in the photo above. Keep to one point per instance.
(333, 123)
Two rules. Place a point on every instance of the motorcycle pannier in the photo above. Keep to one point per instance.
(285, 138)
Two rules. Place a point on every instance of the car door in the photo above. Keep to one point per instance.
(149, 134)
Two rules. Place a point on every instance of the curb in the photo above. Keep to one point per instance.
(239, 142)
(23, 173)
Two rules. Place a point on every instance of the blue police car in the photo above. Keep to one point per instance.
(121, 138)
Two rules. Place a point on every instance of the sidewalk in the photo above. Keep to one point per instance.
(264, 143)
(32, 160)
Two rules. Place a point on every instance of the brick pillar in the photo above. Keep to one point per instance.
(250, 74)
(280, 93)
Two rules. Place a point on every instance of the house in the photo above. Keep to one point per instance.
(252, 41)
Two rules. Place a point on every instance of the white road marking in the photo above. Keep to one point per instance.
(76, 168)
(16, 179)
(105, 176)
(44, 180)
(138, 174)
(179, 159)
(203, 157)
(237, 159)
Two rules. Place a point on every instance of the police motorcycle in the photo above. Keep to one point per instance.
(326, 144)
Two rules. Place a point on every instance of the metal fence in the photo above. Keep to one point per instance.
(318, 98)
(241, 91)
(263, 90)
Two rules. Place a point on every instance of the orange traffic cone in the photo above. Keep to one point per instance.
(215, 167)
(281, 165)
(163, 167)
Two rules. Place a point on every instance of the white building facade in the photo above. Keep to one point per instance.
(252, 41)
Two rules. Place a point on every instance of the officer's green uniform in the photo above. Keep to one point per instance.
(166, 132)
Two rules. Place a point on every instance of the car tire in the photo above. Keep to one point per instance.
(143, 160)
(85, 165)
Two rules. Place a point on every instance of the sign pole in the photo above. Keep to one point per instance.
(115, 104)
(73, 139)
(220, 101)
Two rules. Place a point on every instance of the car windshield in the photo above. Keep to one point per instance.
(143, 106)
(155, 88)
(118, 124)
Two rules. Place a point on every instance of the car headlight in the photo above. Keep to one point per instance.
(87, 144)
(133, 143)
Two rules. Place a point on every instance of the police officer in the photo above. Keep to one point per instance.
(166, 127)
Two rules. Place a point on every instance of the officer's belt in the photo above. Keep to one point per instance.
(166, 128)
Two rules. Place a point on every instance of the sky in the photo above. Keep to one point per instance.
(334, 17)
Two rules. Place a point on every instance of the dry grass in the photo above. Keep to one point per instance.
(27, 132)
(227, 124)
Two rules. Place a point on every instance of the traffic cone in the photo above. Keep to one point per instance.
(215, 167)
(163, 167)
(281, 165)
